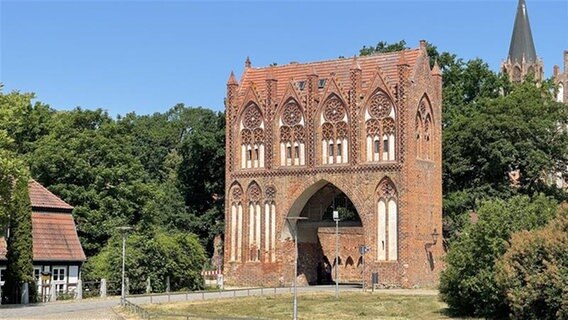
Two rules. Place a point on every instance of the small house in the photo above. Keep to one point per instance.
(57, 251)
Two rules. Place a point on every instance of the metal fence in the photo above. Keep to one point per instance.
(195, 296)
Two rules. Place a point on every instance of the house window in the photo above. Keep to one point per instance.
(321, 84)
(377, 146)
(256, 156)
(301, 85)
(339, 149)
(386, 144)
(249, 154)
(37, 274)
(58, 274)
(289, 152)
(330, 151)
(296, 152)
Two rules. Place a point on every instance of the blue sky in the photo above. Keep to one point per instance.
(146, 56)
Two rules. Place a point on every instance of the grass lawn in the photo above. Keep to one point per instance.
(351, 305)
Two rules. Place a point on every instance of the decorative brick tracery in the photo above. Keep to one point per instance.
(322, 107)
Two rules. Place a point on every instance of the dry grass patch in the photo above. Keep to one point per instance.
(351, 305)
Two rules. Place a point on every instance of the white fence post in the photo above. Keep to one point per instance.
(79, 290)
(103, 288)
(52, 292)
(25, 297)
(148, 286)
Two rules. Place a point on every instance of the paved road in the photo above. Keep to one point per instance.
(99, 309)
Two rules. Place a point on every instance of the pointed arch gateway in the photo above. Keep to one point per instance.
(316, 235)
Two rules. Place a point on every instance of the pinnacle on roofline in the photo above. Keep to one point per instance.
(355, 64)
(402, 60)
(436, 69)
(232, 79)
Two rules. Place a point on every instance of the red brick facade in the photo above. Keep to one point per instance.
(369, 127)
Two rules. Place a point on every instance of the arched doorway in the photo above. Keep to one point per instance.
(316, 235)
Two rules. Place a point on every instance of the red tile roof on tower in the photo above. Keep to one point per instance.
(53, 229)
(337, 68)
(40, 197)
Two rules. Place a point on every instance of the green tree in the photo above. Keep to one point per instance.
(202, 174)
(87, 161)
(155, 254)
(533, 273)
(468, 284)
(488, 138)
(383, 47)
(22, 122)
(19, 266)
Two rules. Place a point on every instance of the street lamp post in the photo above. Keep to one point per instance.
(289, 219)
(123, 232)
(336, 219)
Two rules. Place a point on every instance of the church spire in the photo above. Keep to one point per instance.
(522, 44)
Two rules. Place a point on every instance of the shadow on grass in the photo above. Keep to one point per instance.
(454, 314)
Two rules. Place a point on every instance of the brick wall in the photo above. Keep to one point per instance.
(417, 182)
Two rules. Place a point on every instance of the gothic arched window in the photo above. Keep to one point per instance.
(270, 225)
(424, 127)
(252, 138)
(387, 221)
(292, 135)
(334, 132)
(254, 218)
(380, 118)
(236, 225)
(517, 74)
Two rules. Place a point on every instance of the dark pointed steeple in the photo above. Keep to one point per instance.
(522, 44)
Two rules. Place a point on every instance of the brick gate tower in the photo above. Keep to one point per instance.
(361, 136)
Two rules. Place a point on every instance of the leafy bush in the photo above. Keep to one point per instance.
(155, 255)
(468, 284)
(534, 272)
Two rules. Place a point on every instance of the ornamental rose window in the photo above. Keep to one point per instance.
(252, 138)
(380, 125)
(292, 135)
(334, 132)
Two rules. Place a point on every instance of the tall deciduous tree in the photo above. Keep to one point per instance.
(499, 147)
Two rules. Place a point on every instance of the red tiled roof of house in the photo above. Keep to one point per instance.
(40, 197)
(386, 62)
(54, 238)
(54, 234)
